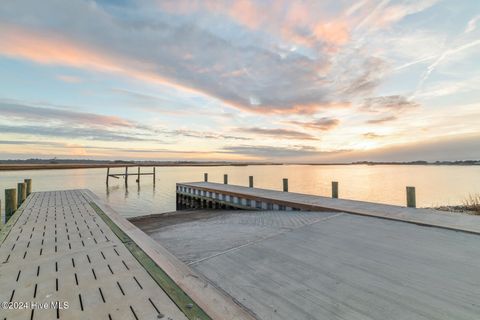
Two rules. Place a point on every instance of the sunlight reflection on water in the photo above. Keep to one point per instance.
(436, 185)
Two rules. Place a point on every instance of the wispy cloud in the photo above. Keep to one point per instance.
(269, 152)
(323, 124)
(382, 120)
(472, 24)
(15, 110)
(72, 133)
(279, 134)
(395, 104)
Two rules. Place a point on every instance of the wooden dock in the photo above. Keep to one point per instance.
(67, 255)
(208, 195)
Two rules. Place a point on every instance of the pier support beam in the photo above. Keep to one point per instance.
(411, 197)
(21, 192)
(285, 185)
(10, 203)
(225, 179)
(334, 189)
(154, 176)
(28, 182)
(250, 181)
(205, 177)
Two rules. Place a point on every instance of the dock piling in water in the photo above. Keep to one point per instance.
(285, 185)
(411, 197)
(21, 192)
(205, 177)
(28, 182)
(10, 203)
(108, 175)
(138, 175)
(250, 181)
(225, 179)
(126, 176)
(335, 189)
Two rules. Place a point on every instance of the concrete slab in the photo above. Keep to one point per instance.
(331, 266)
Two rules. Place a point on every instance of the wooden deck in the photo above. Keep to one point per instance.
(66, 255)
(216, 195)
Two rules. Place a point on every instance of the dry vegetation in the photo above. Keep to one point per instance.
(472, 203)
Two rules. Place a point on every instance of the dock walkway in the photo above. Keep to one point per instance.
(64, 255)
(215, 195)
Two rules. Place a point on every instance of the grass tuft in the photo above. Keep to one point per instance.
(472, 203)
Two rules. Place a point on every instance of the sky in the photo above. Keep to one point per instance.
(296, 81)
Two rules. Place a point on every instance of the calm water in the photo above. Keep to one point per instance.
(436, 185)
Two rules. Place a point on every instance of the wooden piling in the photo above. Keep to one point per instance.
(225, 179)
(334, 189)
(285, 185)
(126, 176)
(154, 176)
(205, 177)
(28, 182)
(21, 192)
(250, 181)
(108, 175)
(138, 175)
(411, 197)
(10, 203)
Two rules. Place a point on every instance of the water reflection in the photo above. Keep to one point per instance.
(435, 185)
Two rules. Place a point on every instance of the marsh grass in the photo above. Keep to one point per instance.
(472, 203)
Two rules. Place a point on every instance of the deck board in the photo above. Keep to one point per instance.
(61, 250)
(428, 217)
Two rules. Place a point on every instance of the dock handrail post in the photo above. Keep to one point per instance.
(411, 197)
(285, 185)
(225, 179)
(126, 176)
(205, 177)
(21, 192)
(10, 203)
(138, 175)
(335, 189)
(28, 182)
(250, 181)
(108, 175)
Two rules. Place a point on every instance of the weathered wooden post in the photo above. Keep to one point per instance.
(21, 192)
(10, 203)
(126, 176)
(250, 181)
(154, 176)
(108, 175)
(205, 177)
(285, 185)
(28, 182)
(138, 175)
(334, 189)
(411, 197)
(225, 179)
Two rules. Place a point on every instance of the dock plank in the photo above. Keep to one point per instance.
(61, 250)
(427, 217)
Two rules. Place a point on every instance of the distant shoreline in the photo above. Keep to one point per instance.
(12, 166)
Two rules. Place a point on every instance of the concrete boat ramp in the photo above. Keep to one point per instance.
(285, 256)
